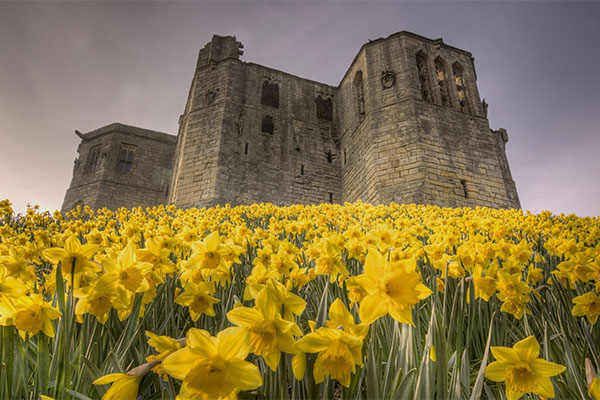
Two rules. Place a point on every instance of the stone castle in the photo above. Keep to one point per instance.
(405, 124)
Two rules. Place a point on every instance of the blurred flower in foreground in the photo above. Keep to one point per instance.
(213, 367)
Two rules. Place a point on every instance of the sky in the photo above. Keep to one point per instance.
(84, 65)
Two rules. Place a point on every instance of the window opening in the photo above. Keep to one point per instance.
(424, 84)
(126, 155)
(464, 187)
(329, 156)
(324, 108)
(246, 148)
(360, 95)
(267, 124)
(441, 75)
(92, 160)
(270, 94)
(461, 88)
(331, 197)
(302, 169)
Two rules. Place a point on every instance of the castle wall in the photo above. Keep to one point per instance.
(112, 181)
(406, 124)
(299, 162)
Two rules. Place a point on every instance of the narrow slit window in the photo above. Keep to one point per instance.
(359, 92)
(329, 156)
(464, 187)
(331, 197)
(246, 148)
(126, 156)
(302, 169)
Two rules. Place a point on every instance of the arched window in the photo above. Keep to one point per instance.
(461, 88)
(270, 94)
(359, 93)
(424, 84)
(442, 78)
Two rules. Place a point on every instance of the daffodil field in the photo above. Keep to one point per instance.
(302, 302)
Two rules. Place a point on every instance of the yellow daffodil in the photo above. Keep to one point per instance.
(269, 333)
(198, 298)
(587, 305)
(522, 371)
(33, 314)
(164, 346)
(213, 367)
(75, 258)
(339, 354)
(124, 386)
(392, 289)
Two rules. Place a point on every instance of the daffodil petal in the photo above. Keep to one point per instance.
(504, 354)
(245, 374)
(233, 343)
(179, 363)
(527, 349)
(244, 316)
(545, 388)
(546, 368)
(496, 371)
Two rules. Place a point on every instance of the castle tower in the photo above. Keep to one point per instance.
(414, 130)
(253, 134)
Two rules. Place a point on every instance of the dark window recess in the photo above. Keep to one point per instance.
(329, 156)
(345, 156)
(424, 84)
(465, 191)
(167, 191)
(126, 155)
(461, 89)
(267, 124)
(246, 149)
(359, 93)
(302, 170)
(270, 94)
(92, 160)
(324, 108)
(331, 197)
(442, 78)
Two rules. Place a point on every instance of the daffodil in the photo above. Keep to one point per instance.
(587, 305)
(522, 371)
(33, 314)
(198, 298)
(75, 258)
(339, 353)
(165, 346)
(269, 333)
(392, 289)
(124, 386)
(213, 367)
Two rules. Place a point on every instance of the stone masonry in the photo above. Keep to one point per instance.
(405, 124)
(121, 166)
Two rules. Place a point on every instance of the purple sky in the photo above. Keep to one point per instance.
(66, 66)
